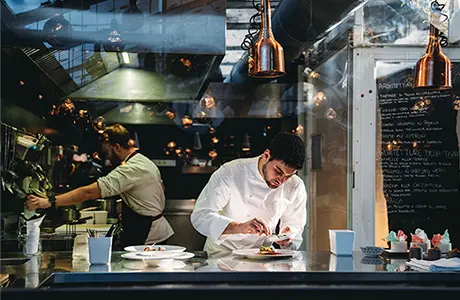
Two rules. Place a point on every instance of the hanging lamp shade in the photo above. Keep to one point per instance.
(246, 145)
(132, 17)
(58, 31)
(197, 141)
(114, 41)
(266, 58)
(433, 70)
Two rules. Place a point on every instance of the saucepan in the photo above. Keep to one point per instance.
(72, 215)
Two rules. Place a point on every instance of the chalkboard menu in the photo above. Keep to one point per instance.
(419, 155)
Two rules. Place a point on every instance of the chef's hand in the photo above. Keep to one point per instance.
(255, 226)
(287, 242)
(33, 202)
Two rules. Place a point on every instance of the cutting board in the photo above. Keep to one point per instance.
(81, 228)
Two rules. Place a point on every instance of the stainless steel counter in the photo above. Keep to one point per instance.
(56, 269)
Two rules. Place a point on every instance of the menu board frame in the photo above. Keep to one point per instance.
(364, 131)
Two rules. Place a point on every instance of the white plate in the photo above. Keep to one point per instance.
(396, 252)
(155, 256)
(280, 237)
(254, 253)
(177, 255)
(184, 255)
(140, 248)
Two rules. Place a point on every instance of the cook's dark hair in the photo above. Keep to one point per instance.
(288, 148)
(117, 134)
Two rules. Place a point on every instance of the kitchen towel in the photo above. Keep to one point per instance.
(440, 265)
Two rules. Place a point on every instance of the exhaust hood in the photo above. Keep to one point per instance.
(173, 53)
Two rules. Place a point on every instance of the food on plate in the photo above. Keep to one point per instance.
(150, 248)
(264, 250)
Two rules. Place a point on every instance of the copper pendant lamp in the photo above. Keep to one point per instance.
(433, 70)
(266, 57)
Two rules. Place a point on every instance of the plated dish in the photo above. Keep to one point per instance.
(141, 248)
(263, 253)
(158, 259)
(157, 255)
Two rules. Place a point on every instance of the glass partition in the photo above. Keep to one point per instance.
(328, 129)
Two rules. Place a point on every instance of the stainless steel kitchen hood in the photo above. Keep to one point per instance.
(177, 48)
(171, 83)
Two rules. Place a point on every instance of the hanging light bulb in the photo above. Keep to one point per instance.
(433, 70)
(197, 141)
(95, 65)
(246, 145)
(58, 30)
(266, 58)
(132, 17)
(99, 124)
(114, 41)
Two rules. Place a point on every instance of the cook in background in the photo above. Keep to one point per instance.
(136, 179)
(246, 198)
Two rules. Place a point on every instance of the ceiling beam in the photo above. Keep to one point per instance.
(232, 4)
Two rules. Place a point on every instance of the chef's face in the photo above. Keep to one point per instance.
(276, 172)
(112, 153)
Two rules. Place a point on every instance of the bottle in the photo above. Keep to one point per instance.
(433, 70)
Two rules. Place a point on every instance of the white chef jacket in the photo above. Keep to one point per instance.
(138, 183)
(238, 192)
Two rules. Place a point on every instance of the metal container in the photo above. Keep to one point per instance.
(178, 212)
(70, 214)
(110, 206)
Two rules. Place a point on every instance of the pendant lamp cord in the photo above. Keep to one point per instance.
(254, 27)
(311, 34)
(437, 8)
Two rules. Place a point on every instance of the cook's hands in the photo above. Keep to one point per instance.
(287, 242)
(33, 202)
(255, 226)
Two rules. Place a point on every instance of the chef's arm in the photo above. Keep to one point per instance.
(76, 196)
(79, 195)
(207, 217)
(233, 228)
(295, 216)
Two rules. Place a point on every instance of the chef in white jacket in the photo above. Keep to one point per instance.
(246, 198)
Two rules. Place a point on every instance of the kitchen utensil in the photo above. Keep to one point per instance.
(110, 206)
(280, 237)
(72, 215)
(13, 261)
(92, 233)
(112, 229)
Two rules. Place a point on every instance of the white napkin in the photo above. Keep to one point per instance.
(440, 265)
(31, 246)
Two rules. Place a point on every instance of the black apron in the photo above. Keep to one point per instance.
(136, 227)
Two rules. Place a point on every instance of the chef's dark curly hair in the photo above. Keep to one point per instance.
(289, 148)
(117, 134)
